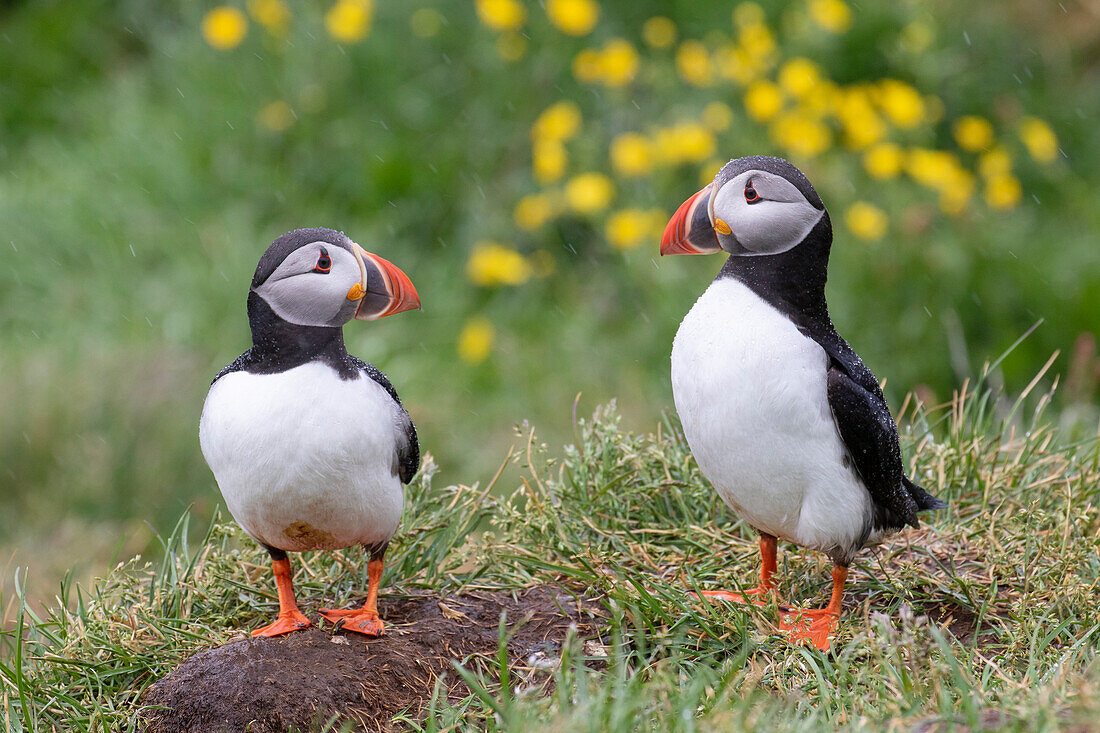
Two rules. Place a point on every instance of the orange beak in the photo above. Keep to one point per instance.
(387, 290)
(690, 232)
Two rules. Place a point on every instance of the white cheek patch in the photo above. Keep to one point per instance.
(777, 222)
(301, 296)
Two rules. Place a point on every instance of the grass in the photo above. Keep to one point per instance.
(983, 618)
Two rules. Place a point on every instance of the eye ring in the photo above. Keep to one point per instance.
(324, 262)
(751, 196)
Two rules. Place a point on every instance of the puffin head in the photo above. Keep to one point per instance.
(319, 277)
(758, 205)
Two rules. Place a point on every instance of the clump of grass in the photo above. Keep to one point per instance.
(986, 616)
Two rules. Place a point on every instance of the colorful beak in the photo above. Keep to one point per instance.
(690, 232)
(386, 289)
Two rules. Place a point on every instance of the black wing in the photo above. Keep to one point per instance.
(863, 419)
(408, 451)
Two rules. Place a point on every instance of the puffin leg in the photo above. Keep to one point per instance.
(758, 594)
(363, 620)
(289, 618)
(815, 624)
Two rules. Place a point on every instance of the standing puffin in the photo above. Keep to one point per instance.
(310, 445)
(780, 413)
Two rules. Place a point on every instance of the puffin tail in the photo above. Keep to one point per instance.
(925, 501)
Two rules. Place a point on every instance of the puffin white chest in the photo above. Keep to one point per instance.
(751, 391)
(305, 460)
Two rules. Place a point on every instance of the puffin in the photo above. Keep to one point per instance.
(309, 445)
(783, 417)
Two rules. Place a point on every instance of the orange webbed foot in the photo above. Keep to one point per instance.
(356, 619)
(810, 626)
(285, 623)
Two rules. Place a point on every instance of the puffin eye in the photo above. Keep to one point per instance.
(324, 262)
(751, 196)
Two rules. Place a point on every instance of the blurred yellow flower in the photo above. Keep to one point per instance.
(995, 162)
(763, 100)
(757, 40)
(548, 160)
(533, 211)
(628, 228)
(511, 46)
(866, 221)
(349, 20)
(224, 27)
(574, 17)
(271, 14)
(916, 37)
(631, 154)
(748, 14)
(973, 133)
(956, 193)
(618, 63)
(588, 193)
(687, 142)
(276, 116)
(801, 135)
(586, 66)
(859, 132)
(709, 170)
(717, 116)
(501, 15)
(693, 63)
(1003, 191)
(736, 64)
(559, 121)
(475, 340)
(884, 160)
(902, 103)
(659, 32)
(832, 15)
(1039, 139)
(426, 22)
(799, 76)
(492, 263)
(931, 168)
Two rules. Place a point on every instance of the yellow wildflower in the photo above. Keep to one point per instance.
(799, 76)
(902, 103)
(659, 32)
(574, 17)
(548, 160)
(916, 37)
(271, 14)
(693, 63)
(832, 15)
(511, 46)
(883, 160)
(475, 340)
(1039, 139)
(800, 134)
(866, 221)
(859, 132)
(717, 116)
(559, 121)
(688, 142)
(618, 63)
(588, 193)
(763, 100)
(586, 66)
(502, 15)
(425, 22)
(533, 211)
(629, 228)
(931, 168)
(631, 154)
(224, 27)
(995, 162)
(956, 193)
(748, 14)
(349, 20)
(973, 133)
(276, 116)
(757, 40)
(736, 64)
(1003, 191)
(492, 263)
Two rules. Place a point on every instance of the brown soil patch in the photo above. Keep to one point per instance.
(301, 680)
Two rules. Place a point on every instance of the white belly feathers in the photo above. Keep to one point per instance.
(305, 459)
(752, 396)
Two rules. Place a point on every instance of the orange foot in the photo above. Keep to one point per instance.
(810, 625)
(285, 623)
(356, 619)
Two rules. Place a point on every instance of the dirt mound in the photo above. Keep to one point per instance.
(303, 679)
